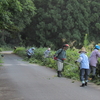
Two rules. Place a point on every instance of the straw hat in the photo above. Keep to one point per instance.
(82, 50)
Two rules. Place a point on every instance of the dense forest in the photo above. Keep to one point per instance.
(44, 23)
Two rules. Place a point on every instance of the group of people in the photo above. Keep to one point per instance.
(87, 65)
(30, 52)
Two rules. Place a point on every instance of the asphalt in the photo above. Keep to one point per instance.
(20, 80)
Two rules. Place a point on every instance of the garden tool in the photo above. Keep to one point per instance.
(70, 64)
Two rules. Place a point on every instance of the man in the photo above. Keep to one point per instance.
(61, 56)
(30, 52)
(93, 60)
(84, 66)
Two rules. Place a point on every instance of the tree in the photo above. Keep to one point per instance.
(15, 15)
(94, 26)
(58, 22)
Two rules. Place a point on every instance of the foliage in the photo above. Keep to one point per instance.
(20, 51)
(70, 68)
(1, 49)
(97, 81)
(85, 41)
(6, 47)
(53, 22)
(14, 16)
(94, 20)
(58, 22)
(1, 60)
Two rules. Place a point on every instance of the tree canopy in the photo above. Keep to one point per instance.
(59, 21)
(15, 15)
(51, 22)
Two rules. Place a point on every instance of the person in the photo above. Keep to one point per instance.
(61, 56)
(93, 60)
(47, 53)
(84, 66)
(30, 52)
(15, 48)
(2, 55)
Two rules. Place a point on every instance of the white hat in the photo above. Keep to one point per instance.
(33, 48)
(49, 48)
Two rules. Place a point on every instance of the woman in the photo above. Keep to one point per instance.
(84, 66)
(93, 60)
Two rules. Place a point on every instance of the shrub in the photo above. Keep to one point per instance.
(1, 49)
(21, 51)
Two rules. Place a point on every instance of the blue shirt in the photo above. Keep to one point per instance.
(83, 60)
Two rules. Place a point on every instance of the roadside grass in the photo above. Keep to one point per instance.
(1, 60)
(6, 48)
(1, 49)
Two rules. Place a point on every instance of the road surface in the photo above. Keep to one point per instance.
(20, 80)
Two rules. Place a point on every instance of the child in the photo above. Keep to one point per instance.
(84, 66)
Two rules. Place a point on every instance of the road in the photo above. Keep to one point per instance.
(20, 80)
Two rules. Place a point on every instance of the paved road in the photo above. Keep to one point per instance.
(20, 80)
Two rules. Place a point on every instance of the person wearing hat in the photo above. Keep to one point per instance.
(93, 60)
(47, 53)
(30, 52)
(84, 66)
(61, 56)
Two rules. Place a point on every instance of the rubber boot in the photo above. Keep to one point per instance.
(59, 73)
(93, 77)
(85, 83)
(82, 85)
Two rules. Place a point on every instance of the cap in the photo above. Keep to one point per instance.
(65, 45)
(97, 47)
(49, 48)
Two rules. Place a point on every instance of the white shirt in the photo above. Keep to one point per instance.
(30, 52)
(79, 59)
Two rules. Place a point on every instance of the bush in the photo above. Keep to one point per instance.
(1, 49)
(21, 51)
(6, 48)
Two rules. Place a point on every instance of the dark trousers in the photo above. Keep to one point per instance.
(29, 56)
(92, 70)
(84, 73)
